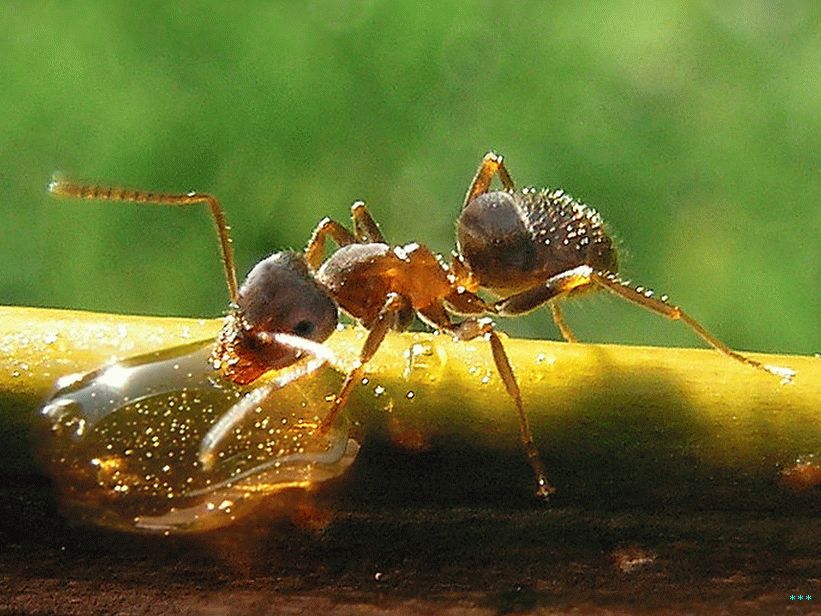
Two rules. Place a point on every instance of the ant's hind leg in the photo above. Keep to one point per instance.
(491, 164)
(394, 305)
(584, 275)
(646, 299)
(315, 251)
(558, 319)
(557, 285)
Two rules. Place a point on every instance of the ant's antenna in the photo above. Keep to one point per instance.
(61, 187)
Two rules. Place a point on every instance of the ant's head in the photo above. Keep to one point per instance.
(279, 296)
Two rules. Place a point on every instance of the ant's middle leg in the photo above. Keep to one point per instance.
(364, 226)
(491, 164)
(315, 251)
(473, 328)
(394, 305)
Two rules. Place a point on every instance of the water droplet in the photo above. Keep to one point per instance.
(786, 374)
(541, 358)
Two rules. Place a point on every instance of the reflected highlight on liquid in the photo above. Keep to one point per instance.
(122, 443)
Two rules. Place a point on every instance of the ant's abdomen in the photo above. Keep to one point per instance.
(514, 240)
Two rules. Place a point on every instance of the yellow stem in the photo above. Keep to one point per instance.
(660, 421)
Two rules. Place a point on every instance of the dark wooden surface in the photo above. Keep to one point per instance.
(411, 534)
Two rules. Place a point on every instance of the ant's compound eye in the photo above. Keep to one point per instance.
(304, 329)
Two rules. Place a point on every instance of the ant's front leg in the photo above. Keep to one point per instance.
(395, 304)
(317, 356)
(491, 164)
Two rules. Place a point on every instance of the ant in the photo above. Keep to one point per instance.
(289, 304)
(528, 247)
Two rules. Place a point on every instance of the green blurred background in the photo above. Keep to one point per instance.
(692, 126)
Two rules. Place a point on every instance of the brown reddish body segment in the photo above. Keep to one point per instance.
(360, 275)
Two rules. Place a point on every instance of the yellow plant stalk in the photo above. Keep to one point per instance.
(660, 422)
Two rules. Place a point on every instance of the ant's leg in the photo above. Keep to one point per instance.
(558, 319)
(557, 285)
(365, 231)
(584, 275)
(491, 164)
(364, 226)
(394, 304)
(644, 297)
(64, 188)
(459, 301)
(315, 251)
(472, 328)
